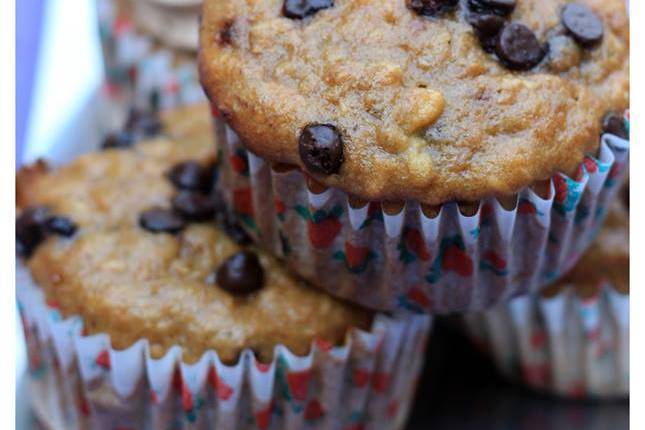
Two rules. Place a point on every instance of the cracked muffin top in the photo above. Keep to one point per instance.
(107, 237)
(433, 100)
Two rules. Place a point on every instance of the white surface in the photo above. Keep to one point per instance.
(69, 71)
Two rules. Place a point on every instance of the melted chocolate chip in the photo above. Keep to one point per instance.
(191, 175)
(583, 25)
(61, 225)
(498, 7)
(299, 9)
(118, 140)
(321, 148)
(194, 206)
(161, 221)
(518, 48)
(30, 230)
(241, 273)
(432, 7)
(615, 124)
(486, 28)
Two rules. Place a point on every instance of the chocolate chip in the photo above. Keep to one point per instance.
(299, 9)
(159, 220)
(615, 124)
(145, 123)
(432, 7)
(226, 34)
(118, 140)
(498, 7)
(241, 273)
(30, 230)
(583, 25)
(191, 175)
(518, 48)
(486, 28)
(194, 206)
(321, 148)
(61, 225)
(236, 232)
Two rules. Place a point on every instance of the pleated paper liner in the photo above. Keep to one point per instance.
(565, 345)
(136, 67)
(410, 256)
(80, 382)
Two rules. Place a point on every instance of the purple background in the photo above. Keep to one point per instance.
(29, 20)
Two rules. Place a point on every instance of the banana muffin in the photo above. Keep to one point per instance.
(437, 156)
(403, 99)
(112, 237)
(139, 312)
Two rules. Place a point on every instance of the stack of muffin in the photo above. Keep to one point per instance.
(375, 162)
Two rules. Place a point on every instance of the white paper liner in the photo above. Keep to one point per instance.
(135, 67)
(80, 382)
(448, 263)
(564, 345)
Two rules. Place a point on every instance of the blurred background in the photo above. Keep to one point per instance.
(59, 77)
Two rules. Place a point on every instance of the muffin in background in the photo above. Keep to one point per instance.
(573, 339)
(149, 49)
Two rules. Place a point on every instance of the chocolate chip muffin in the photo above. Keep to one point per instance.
(412, 99)
(426, 155)
(124, 238)
(139, 312)
(573, 338)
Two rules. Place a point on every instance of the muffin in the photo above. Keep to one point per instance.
(139, 312)
(573, 339)
(149, 51)
(431, 155)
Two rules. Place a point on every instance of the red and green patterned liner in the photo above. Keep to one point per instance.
(80, 382)
(564, 345)
(448, 263)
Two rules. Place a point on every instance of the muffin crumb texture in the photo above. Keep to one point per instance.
(434, 101)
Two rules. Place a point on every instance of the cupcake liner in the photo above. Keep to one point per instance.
(80, 382)
(135, 66)
(565, 345)
(449, 262)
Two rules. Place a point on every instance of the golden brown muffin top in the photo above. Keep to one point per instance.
(607, 260)
(131, 283)
(424, 112)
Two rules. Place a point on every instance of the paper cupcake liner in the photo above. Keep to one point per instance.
(564, 345)
(135, 67)
(450, 262)
(80, 382)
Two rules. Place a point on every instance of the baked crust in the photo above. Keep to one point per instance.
(425, 113)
